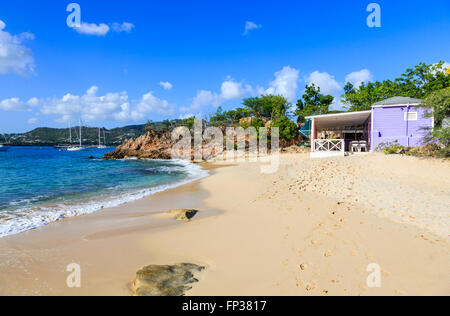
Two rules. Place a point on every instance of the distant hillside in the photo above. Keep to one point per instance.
(44, 136)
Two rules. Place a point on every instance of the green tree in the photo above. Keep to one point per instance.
(234, 116)
(312, 103)
(167, 125)
(188, 122)
(417, 82)
(438, 106)
(288, 129)
(219, 118)
(423, 79)
(149, 126)
(223, 118)
(267, 106)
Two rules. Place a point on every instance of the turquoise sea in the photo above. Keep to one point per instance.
(42, 185)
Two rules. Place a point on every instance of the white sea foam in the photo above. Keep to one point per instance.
(18, 221)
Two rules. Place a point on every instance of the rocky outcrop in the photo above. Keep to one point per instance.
(158, 145)
(153, 145)
(166, 280)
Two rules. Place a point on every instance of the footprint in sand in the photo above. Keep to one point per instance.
(316, 243)
(299, 283)
(310, 287)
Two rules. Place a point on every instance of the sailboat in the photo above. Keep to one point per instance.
(4, 147)
(100, 146)
(65, 146)
(75, 148)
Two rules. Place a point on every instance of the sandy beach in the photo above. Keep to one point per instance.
(312, 228)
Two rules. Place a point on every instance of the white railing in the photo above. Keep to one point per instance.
(329, 145)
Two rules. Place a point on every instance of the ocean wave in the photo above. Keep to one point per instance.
(27, 201)
(164, 169)
(18, 221)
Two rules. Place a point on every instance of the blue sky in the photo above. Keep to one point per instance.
(175, 58)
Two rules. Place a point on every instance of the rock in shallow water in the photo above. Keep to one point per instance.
(165, 280)
(184, 215)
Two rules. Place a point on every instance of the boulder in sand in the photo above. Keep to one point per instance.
(165, 280)
(184, 215)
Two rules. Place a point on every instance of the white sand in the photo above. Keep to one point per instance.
(312, 228)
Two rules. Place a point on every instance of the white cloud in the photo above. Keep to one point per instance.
(92, 107)
(358, 77)
(444, 66)
(326, 82)
(92, 91)
(102, 29)
(166, 85)
(12, 104)
(89, 106)
(203, 98)
(122, 27)
(32, 120)
(260, 91)
(33, 102)
(249, 26)
(123, 114)
(189, 115)
(232, 90)
(285, 83)
(14, 56)
(329, 85)
(151, 104)
(93, 29)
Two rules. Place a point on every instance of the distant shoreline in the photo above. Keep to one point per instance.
(42, 199)
(53, 145)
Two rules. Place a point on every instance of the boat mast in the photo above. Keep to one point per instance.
(70, 134)
(99, 139)
(4, 136)
(80, 133)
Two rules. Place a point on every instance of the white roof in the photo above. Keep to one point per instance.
(340, 120)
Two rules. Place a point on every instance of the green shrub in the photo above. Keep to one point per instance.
(429, 150)
(256, 122)
(444, 153)
(288, 129)
(413, 151)
(391, 148)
